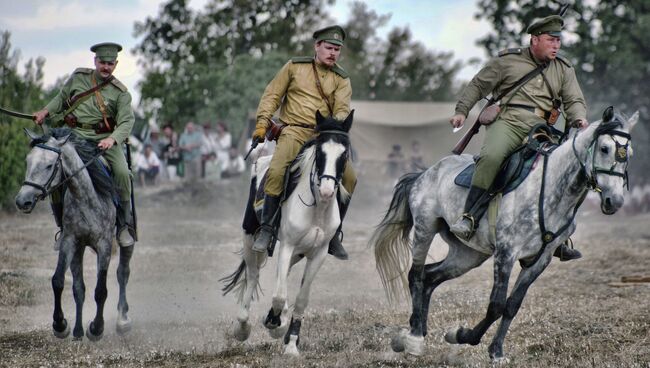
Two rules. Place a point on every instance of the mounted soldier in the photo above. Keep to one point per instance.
(97, 107)
(302, 87)
(532, 84)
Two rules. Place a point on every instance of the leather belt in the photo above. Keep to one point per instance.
(300, 125)
(535, 110)
(86, 126)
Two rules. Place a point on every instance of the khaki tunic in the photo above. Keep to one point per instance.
(118, 105)
(294, 91)
(512, 125)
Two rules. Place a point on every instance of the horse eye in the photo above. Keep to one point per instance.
(49, 166)
(604, 149)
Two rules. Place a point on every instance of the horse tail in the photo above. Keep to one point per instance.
(235, 281)
(392, 243)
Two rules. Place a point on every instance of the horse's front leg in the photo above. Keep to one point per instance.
(503, 262)
(292, 337)
(95, 329)
(60, 325)
(123, 323)
(273, 319)
(526, 277)
(78, 290)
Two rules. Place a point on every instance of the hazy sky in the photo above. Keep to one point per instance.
(62, 31)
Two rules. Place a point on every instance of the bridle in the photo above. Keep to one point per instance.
(621, 157)
(313, 172)
(47, 188)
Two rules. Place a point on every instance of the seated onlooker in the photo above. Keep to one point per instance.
(235, 165)
(148, 166)
(395, 166)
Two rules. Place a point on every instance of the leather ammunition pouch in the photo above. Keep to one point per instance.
(274, 129)
(489, 114)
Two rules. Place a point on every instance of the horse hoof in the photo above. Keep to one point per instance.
(279, 332)
(397, 343)
(242, 331)
(452, 336)
(291, 348)
(91, 336)
(62, 334)
(414, 345)
(123, 326)
(273, 321)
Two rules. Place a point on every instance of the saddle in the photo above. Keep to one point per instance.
(518, 165)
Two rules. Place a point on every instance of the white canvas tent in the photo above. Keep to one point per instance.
(378, 125)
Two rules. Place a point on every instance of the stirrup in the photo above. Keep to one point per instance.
(469, 216)
(263, 228)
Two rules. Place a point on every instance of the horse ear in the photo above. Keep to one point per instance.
(608, 115)
(319, 117)
(31, 135)
(347, 124)
(633, 120)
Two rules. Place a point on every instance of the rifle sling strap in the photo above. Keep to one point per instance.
(100, 103)
(320, 89)
(530, 75)
(77, 99)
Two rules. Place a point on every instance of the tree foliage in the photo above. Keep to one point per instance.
(214, 64)
(607, 43)
(20, 93)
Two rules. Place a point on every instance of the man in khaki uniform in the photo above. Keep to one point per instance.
(521, 109)
(106, 117)
(294, 91)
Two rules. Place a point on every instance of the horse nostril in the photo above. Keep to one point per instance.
(608, 202)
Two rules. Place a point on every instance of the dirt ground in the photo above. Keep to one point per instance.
(571, 317)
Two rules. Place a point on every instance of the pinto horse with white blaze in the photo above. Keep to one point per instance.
(60, 159)
(309, 219)
(532, 221)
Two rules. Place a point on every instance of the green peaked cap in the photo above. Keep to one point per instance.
(333, 34)
(552, 25)
(106, 51)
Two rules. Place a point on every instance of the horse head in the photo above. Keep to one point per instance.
(44, 169)
(607, 159)
(332, 150)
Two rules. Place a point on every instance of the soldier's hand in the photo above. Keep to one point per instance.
(106, 143)
(259, 133)
(40, 116)
(457, 120)
(580, 123)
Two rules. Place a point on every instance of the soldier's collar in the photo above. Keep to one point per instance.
(536, 60)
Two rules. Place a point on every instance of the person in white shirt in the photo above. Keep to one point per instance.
(235, 165)
(148, 166)
(223, 141)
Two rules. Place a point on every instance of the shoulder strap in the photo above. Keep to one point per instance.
(100, 103)
(320, 88)
(521, 81)
(83, 94)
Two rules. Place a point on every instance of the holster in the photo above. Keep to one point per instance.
(274, 130)
(70, 120)
(489, 114)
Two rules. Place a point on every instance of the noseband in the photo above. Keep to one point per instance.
(45, 188)
(621, 157)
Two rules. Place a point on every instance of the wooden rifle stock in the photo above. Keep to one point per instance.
(464, 141)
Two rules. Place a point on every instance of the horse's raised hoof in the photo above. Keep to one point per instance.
(92, 336)
(61, 333)
(123, 325)
(291, 348)
(414, 345)
(397, 343)
(242, 331)
(452, 336)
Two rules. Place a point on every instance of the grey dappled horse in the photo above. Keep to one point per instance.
(310, 217)
(88, 220)
(531, 223)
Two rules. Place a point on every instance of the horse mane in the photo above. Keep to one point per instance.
(102, 181)
(608, 126)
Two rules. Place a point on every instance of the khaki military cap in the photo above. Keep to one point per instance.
(333, 34)
(106, 51)
(551, 25)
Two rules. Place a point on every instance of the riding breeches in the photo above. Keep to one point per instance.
(121, 174)
(501, 139)
(289, 144)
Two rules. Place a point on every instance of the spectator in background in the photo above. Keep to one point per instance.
(417, 160)
(235, 166)
(148, 166)
(190, 144)
(395, 167)
(157, 144)
(223, 141)
(171, 152)
(208, 147)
